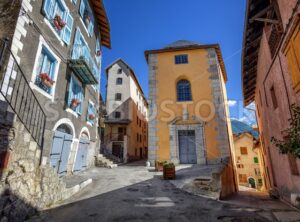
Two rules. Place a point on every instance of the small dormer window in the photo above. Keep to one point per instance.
(181, 59)
(119, 71)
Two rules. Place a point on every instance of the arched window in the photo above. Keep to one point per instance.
(184, 91)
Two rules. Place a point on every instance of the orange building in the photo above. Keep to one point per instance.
(188, 122)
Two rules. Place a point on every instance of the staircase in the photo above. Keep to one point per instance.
(102, 161)
(16, 92)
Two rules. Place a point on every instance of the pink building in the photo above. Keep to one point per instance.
(271, 78)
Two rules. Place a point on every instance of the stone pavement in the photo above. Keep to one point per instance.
(135, 193)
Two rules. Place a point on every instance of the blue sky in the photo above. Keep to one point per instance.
(139, 25)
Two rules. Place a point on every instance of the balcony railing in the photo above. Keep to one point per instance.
(84, 66)
(15, 90)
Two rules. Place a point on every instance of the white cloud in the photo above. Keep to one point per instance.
(232, 103)
(249, 114)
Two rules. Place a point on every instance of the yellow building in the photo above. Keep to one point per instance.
(248, 161)
(188, 120)
(248, 156)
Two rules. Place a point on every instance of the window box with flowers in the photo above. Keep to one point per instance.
(75, 96)
(59, 17)
(59, 23)
(46, 71)
(87, 17)
(91, 114)
(75, 103)
(46, 80)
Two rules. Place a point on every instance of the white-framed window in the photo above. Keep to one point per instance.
(87, 16)
(81, 49)
(75, 95)
(91, 113)
(45, 70)
(59, 17)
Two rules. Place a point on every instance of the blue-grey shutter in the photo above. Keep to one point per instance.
(91, 28)
(95, 71)
(94, 113)
(65, 152)
(48, 8)
(82, 8)
(74, 1)
(52, 73)
(76, 45)
(97, 45)
(80, 97)
(68, 28)
(71, 94)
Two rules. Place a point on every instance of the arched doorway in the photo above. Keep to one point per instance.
(61, 146)
(251, 182)
(82, 152)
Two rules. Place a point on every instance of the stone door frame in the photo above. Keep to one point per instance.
(199, 139)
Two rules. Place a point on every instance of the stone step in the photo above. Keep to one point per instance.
(205, 181)
(100, 156)
(105, 162)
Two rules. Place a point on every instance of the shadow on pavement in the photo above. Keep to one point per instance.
(150, 200)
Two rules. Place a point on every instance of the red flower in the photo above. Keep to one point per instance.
(91, 117)
(46, 78)
(58, 22)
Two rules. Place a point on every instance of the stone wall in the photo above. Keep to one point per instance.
(219, 104)
(26, 186)
(153, 93)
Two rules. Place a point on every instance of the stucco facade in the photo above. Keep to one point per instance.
(43, 136)
(126, 124)
(248, 161)
(274, 92)
(203, 118)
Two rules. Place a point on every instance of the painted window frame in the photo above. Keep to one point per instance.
(76, 51)
(75, 85)
(43, 44)
(49, 8)
(82, 9)
(91, 111)
(98, 52)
